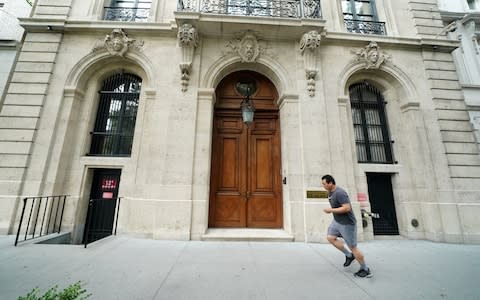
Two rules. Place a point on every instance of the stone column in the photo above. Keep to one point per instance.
(292, 167)
(201, 163)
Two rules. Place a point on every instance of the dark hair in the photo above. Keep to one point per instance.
(328, 179)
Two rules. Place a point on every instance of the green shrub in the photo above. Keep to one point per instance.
(72, 292)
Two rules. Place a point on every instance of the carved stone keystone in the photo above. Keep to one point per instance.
(118, 43)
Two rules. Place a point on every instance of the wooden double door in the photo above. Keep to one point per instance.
(245, 182)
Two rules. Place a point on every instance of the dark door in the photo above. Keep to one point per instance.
(102, 204)
(245, 182)
(381, 201)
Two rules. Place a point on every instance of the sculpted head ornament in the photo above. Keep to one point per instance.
(371, 56)
(187, 36)
(117, 43)
(310, 40)
(248, 48)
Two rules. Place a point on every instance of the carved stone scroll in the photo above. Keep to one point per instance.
(188, 41)
(308, 47)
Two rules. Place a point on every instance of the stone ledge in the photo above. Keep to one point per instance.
(247, 234)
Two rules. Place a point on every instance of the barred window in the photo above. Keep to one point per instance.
(370, 124)
(359, 10)
(116, 116)
(360, 16)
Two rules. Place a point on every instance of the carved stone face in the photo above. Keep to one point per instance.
(117, 43)
(249, 49)
(373, 55)
(187, 35)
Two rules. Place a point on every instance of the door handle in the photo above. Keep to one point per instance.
(248, 195)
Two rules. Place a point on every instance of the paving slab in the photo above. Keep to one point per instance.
(121, 267)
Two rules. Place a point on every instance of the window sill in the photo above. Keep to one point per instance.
(105, 161)
(380, 168)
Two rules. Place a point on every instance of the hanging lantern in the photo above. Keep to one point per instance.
(246, 89)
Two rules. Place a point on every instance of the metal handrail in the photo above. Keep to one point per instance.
(272, 8)
(365, 27)
(36, 209)
(126, 14)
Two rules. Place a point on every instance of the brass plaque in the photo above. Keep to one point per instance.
(317, 194)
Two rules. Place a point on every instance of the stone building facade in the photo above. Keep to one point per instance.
(142, 100)
(460, 20)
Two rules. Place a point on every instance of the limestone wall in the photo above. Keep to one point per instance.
(52, 99)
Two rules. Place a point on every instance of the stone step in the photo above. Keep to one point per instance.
(247, 234)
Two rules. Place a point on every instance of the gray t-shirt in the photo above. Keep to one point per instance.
(337, 198)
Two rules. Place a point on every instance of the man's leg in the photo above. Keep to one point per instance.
(358, 255)
(364, 270)
(336, 242)
(349, 257)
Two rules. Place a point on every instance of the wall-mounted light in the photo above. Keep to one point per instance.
(414, 223)
(247, 88)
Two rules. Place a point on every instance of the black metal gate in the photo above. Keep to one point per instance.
(381, 201)
(102, 204)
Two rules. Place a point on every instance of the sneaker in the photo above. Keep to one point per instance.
(348, 260)
(364, 273)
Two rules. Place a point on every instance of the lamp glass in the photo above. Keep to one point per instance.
(247, 114)
(246, 88)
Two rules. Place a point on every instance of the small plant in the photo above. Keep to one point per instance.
(71, 292)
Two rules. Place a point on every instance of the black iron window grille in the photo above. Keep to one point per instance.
(128, 10)
(365, 27)
(360, 16)
(370, 124)
(116, 116)
(266, 8)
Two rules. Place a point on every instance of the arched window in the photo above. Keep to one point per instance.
(370, 124)
(116, 116)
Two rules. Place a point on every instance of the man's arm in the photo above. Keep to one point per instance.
(345, 208)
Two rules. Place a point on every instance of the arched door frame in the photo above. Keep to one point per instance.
(288, 102)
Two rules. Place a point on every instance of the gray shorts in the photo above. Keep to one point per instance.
(347, 232)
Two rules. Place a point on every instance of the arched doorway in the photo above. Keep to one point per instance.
(245, 181)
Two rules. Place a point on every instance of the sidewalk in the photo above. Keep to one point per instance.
(127, 268)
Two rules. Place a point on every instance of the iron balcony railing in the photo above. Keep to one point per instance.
(365, 27)
(265, 8)
(125, 14)
(45, 216)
